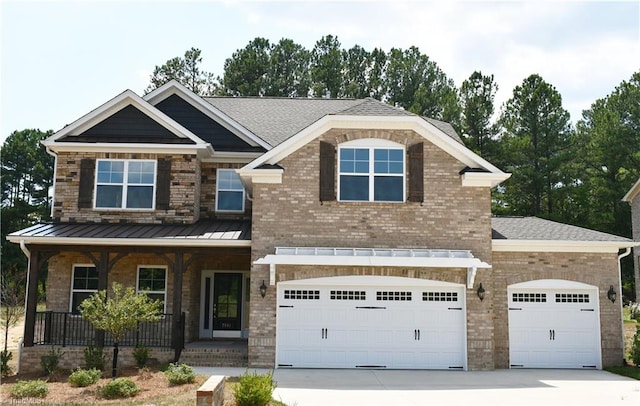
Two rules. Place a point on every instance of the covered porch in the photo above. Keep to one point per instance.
(199, 271)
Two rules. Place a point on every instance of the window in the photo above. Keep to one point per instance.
(152, 280)
(230, 192)
(84, 284)
(125, 184)
(371, 173)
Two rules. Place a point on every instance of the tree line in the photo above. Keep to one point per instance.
(576, 174)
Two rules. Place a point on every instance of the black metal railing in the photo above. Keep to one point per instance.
(67, 329)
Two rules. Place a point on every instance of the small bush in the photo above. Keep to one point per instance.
(254, 389)
(635, 348)
(179, 374)
(5, 357)
(141, 355)
(634, 311)
(119, 388)
(29, 389)
(50, 360)
(84, 377)
(94, 358)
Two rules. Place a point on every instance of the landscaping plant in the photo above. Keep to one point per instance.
(635, 348)
(179, 374)
(634, 311)
(119, 313)
(254, 389)
(94, 357)
(5, 357)
(29, 389)
(50, 360)
(141, 355)
(84, 377)
(119, 388)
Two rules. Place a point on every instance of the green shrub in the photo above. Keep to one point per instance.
(635, 348)
(84, 377)
(141, 355)
(94, 357)
(29, 389)
(50, 360)
(179, 374)
(254, 389)
(5, 357)
(119, 388)
(634, 311)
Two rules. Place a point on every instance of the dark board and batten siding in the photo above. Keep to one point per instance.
(128, 125)
(203, 126)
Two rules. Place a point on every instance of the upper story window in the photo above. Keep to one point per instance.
(371, 171)
(229, 191)
(84, 284)
(125, 184)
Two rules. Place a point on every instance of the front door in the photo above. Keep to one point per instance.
(221, 314)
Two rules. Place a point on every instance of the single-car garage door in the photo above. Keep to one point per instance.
(554, 324)
(371, 322)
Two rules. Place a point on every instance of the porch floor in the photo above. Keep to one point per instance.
(220, 352)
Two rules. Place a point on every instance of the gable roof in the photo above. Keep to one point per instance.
(632, 193)
(536, 234)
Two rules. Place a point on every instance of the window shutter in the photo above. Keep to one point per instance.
(163, 184)
(416, 172)
(85, 188)
(327, 172)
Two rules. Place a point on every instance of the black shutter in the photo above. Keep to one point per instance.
(163, 184)
(327, 172)
(85, 188)
(416, 172)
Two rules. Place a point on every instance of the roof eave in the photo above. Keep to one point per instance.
(501, 245)
(632, 193)
(142, 242)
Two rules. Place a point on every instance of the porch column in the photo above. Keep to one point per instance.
(32, 298)
(103, 272)
(176, 322)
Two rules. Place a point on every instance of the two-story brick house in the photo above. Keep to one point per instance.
(327, 233)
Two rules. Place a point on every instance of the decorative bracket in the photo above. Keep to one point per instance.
(272, 274)
(471, 277)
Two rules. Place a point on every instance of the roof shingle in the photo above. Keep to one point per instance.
(534, 228)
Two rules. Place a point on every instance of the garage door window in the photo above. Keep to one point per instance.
(302, 294)
(348, 295)
(391, 295)
(530, 297)
(440, 296)
(572, 298)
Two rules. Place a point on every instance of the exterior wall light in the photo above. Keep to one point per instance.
(263, 289)
(481, 292)
(611, 294)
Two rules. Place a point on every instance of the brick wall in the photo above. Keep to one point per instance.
(290, 214)
(208, 179)
(185, 187)
(594, 269)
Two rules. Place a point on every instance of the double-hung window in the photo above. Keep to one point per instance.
(84, 284)
(152, 281)
(371, 173)
(229, 191)
(125, 184)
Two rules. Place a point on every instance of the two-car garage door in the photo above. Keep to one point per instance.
(371, 322)
(554, 324)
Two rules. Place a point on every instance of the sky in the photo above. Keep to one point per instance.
(61, 59)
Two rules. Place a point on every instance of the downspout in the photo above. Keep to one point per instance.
(55, 169)
(620, 256)
(27, 253)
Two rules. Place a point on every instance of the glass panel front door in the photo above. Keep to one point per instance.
(227, 301)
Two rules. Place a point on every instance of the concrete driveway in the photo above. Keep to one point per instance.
(311, 387)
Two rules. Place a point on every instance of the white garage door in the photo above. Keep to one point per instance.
(554, 324)
(371, 322)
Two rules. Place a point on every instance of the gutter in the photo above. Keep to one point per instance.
(620, 256)
(27, 253)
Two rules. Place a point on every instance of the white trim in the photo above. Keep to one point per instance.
(174, 87)
(483, 179)
(559, 246)
(231, 170)
(72, 290)
(130, 148)
(371, 145)
(370, 280)
(415, 123)
(155, 292)
(551, 284)
(143, 242)
(632, 193)
(116, 104)
(232, 157)
(125, 185)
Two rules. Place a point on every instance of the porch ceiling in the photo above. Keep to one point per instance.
(209, 233)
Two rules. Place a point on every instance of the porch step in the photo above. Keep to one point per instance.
(215, 357)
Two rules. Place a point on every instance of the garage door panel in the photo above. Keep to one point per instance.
(391, 328)
(554, 328)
